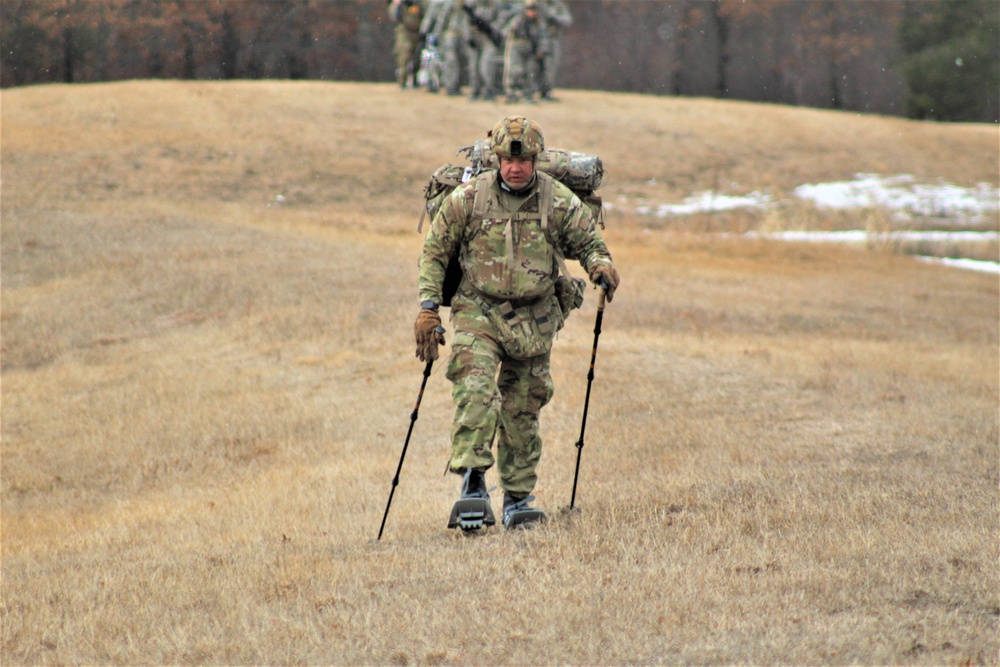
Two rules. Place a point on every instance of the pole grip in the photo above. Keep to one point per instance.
(602, 297)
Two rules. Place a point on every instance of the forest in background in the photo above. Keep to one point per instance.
(929, 59)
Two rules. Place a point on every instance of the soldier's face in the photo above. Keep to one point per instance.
(517, 171)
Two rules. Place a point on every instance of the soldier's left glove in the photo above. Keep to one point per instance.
(429, 334)
(607, 277)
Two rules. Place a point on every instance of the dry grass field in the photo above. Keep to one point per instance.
(208, 291)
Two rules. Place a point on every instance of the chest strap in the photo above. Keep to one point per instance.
(487, 201)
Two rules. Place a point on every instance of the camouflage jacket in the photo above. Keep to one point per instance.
(505, 242)
(443, 18)
(484, 9)
(557, 14)
(518, 26)
(407, 14)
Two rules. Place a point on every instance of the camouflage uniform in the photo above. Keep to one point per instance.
(526, 47)
(481, 52)
(444, 20)
(407, 15)
(557, 17)
(505, 248)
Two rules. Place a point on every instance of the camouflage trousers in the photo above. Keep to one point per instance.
(489, 406)
(522, 70)
(407, 52)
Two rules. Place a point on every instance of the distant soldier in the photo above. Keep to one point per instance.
(483, 43)
(444, 20)
(407, 15)
(557, 17)
(526, 46)
(495, 54)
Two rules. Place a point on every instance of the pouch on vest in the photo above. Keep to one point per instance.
(526, 331)
(569, 293)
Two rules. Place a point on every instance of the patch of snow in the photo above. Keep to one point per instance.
(861, 236)
(704, 202)
(969, 264)
(851, 236)
(902, 193)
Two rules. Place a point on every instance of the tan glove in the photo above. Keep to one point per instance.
(429, 334)
(608, 275)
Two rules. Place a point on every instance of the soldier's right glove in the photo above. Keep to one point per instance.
(429, 334)
(607, 277)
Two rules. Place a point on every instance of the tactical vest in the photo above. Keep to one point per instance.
(509, 254)
(582, 173)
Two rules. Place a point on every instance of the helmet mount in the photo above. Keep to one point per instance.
(516, 136)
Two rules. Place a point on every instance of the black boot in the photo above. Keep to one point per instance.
(474, 484)
(473, 510)
(517, 512)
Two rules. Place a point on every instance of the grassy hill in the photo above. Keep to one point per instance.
(207, 367)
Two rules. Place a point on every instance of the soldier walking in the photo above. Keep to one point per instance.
(508, 226)
(407, 15)
(444, 21)
(526, 46)
(558, 17)
(483, 41)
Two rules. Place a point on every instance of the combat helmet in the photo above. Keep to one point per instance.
(516, 136)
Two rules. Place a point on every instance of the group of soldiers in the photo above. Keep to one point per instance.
(496, 47)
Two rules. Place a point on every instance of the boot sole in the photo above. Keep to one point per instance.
(471, 514)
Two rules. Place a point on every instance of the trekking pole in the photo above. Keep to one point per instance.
(413, 420)
(590, 381)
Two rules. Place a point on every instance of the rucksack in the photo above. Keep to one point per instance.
(580, 172)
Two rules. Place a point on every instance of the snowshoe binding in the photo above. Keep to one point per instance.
(472, 511)
(517, 512)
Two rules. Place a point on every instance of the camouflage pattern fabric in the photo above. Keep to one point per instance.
(486, 409)
(525, 50)
(490, 71)
(407, 15)
(557, 17)
(506, 255)
(444, 20)
(480, 51)
(506, 258)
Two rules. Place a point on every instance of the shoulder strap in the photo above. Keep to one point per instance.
(484, 191)
(546, 204)
(484, 187)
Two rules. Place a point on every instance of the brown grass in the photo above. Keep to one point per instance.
(792, 450)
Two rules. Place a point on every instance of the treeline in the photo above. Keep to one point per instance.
(936, 59)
